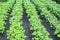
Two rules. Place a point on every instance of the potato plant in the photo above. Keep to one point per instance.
(4, 8)
(52, 19)
(16, 31)
(52, 6)
(35, 22)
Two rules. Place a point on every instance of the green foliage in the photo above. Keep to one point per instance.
(48, 9)
(3, 0)
(4, 8)
(39, 31)
(16, 31)
(52, 19)
(52, 6)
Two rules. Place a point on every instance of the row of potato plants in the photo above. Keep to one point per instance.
(16, 31)
(52, 19)
(39, 32)
(52, 6)
(4, 8)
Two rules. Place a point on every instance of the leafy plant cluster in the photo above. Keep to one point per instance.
(52, 19)
(4, 8)
(39, 32)
(16, 32)
(52, 6)
(48, 9)
(3, 0)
